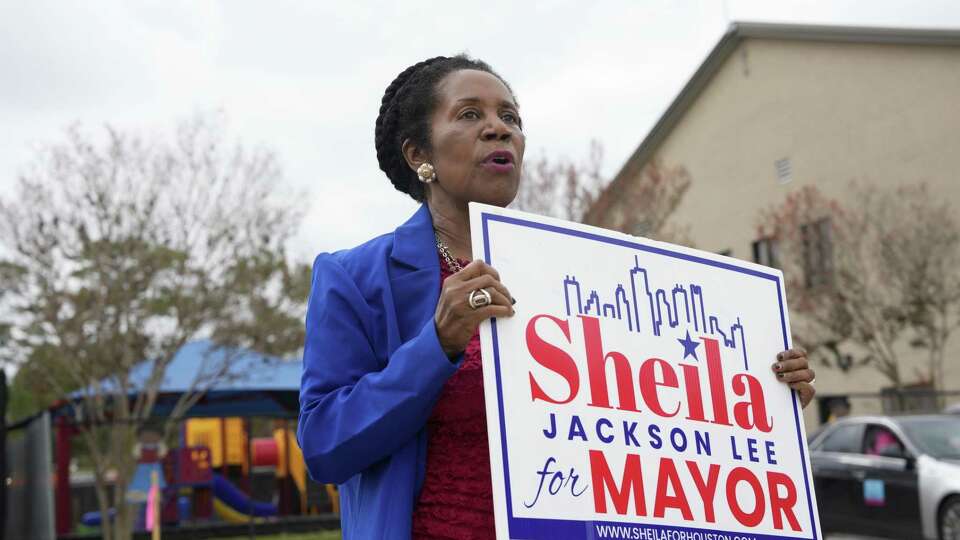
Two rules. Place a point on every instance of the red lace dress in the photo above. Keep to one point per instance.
(456, 501)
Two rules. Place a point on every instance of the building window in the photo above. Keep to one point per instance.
(765, 252)
(817, 253)
(832, 408)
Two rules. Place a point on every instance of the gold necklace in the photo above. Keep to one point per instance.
(445, 253)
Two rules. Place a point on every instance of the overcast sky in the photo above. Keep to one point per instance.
(306, 78)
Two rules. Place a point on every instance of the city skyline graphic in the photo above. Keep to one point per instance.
(647, 309)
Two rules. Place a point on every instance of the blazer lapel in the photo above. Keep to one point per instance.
(414, 274)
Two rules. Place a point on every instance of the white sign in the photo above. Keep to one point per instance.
(632, 395)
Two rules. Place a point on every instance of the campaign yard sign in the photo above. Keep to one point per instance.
(632, 396)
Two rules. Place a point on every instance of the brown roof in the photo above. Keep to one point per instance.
(737, 32)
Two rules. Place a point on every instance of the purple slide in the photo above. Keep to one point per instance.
(238, 500)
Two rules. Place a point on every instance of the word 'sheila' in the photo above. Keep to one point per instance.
(748, 414)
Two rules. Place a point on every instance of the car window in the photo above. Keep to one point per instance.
(846, 438)
(879, 441)
(938, 436)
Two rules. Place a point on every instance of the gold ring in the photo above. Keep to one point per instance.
(479, 298)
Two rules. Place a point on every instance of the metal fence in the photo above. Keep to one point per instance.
(887, 402)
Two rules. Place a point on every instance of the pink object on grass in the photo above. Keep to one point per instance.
(152, 497)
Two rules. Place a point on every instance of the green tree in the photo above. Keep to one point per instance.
(118, 250)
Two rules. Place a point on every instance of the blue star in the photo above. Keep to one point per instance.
(689, 347)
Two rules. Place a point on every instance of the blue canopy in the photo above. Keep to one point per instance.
(252, 385)
(247, 370)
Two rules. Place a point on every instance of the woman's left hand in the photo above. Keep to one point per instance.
(793, 369)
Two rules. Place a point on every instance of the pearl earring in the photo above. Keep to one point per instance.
(426, 173)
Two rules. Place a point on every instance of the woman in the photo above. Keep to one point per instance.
(391, 397)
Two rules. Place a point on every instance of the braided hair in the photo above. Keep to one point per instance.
(405, 111)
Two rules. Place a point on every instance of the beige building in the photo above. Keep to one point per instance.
(776, 107)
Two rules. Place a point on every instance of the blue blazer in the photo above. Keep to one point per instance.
(373, 369)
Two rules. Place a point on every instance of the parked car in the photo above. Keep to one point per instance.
(889, 476)
(953, 409)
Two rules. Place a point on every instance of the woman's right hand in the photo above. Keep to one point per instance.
(455, 320)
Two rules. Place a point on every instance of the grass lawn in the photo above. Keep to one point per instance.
(319, 535)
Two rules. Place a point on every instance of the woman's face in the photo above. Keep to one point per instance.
(477, 142)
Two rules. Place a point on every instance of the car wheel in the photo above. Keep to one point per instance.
(949, 519)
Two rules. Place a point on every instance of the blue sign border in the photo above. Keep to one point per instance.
(551, 529)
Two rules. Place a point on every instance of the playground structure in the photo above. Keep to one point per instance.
(228, 446)
(218, 472)
(191, 488)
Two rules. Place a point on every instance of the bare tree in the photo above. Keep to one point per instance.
(561, 188)
(647, 204)
(120, 250)
(872, 274)
(921, 249)
(579, 192)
